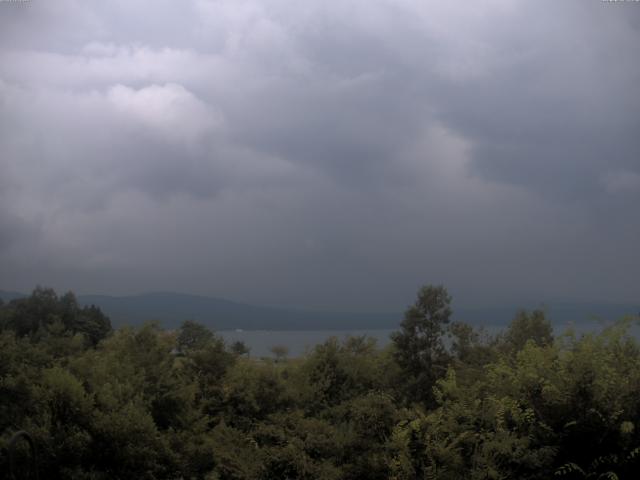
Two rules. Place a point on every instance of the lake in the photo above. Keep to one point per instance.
(297, 341)
(300, 341)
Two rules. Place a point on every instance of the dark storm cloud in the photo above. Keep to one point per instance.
(560, 109)
(331, 154)
(14, 230)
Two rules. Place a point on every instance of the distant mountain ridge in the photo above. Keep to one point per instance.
(8, 296)
(171, 309)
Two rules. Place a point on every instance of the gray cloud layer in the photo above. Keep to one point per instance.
(326, 154)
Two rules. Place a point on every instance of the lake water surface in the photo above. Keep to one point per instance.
(300, 341)
(297, 341)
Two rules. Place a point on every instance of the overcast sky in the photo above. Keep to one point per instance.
(330, 154)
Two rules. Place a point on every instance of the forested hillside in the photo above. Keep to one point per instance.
(147, 403)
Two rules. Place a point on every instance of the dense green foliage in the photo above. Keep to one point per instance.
(443, 401)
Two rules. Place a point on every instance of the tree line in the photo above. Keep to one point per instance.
(443, 400)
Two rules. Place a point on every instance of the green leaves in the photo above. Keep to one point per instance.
(419, 347)
(528, 327)
(147, 403)
(44, 314)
